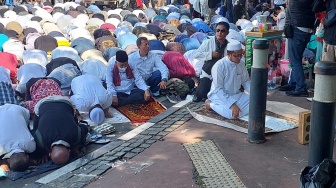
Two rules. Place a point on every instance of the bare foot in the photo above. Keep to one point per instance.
(207, 105)
(80, 118)
(107, 114)
(4, 167)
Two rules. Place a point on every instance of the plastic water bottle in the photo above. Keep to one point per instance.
(271, 81)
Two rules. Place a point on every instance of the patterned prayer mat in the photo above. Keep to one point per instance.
(139, 113)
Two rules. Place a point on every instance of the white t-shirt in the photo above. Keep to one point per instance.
(14, 134)
(281, 20)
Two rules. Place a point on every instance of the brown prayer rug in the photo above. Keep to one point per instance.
(139, 113)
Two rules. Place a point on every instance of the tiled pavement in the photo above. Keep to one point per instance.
(85, 170)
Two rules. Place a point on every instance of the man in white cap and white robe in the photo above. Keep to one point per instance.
(229, 74)
(90, 96)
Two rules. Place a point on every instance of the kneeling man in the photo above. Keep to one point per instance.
(56, 129)
(89, 95)
(229, 74)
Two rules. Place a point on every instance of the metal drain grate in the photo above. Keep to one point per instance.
(211, 166)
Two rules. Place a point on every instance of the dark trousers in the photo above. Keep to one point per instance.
(203, 88)
(146, 2)
(153, 81)
(135, 97)
(296, 47)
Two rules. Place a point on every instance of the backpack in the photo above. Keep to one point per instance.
(176, 86)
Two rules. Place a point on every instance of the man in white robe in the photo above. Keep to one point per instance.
(229, 74)
(90, 96)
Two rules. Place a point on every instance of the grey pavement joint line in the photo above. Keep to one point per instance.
(212, 166)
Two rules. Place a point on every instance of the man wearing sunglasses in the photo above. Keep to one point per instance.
(210, 51)
(229, 74)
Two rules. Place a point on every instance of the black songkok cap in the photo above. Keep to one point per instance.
(121, 56)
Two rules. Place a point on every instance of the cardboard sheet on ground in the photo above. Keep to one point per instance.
(272, 124)
(117, 117)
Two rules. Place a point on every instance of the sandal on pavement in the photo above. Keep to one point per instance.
(104, 129)
(101, 140)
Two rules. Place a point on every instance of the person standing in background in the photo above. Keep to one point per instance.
(298, 29)
(329, 42)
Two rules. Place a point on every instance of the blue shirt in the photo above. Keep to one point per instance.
(126, 85)
(126, 39)
(148, 64)
(65, 74)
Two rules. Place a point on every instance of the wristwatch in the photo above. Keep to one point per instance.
(164, 79)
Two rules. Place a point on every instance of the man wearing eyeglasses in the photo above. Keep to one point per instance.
(210, 51)
(229, 74)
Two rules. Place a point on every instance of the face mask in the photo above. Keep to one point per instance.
(122, 69)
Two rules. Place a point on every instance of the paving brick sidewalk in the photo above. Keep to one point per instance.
(92, 166)
(276, 163)
(156, 157)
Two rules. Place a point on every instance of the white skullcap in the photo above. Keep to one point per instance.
(78, 23)
(95, 21)
(57, 15)
(83, 17)
(59, 5)
(115, 11)
(97, 115)
(11, 15)
(29, 16)
(22, 20)
(137, 12)
(4, 21)
(233, 46)
(113, 21)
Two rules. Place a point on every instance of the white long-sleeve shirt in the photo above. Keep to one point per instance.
(204, 53)
(14, 134)
(126, 85)
(89, 91)
(227, 80)
(148, 64)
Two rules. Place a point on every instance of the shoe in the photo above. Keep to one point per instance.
(287, 88)
(196, 99)
(172, 98)
(156, 94)
(298, 93)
